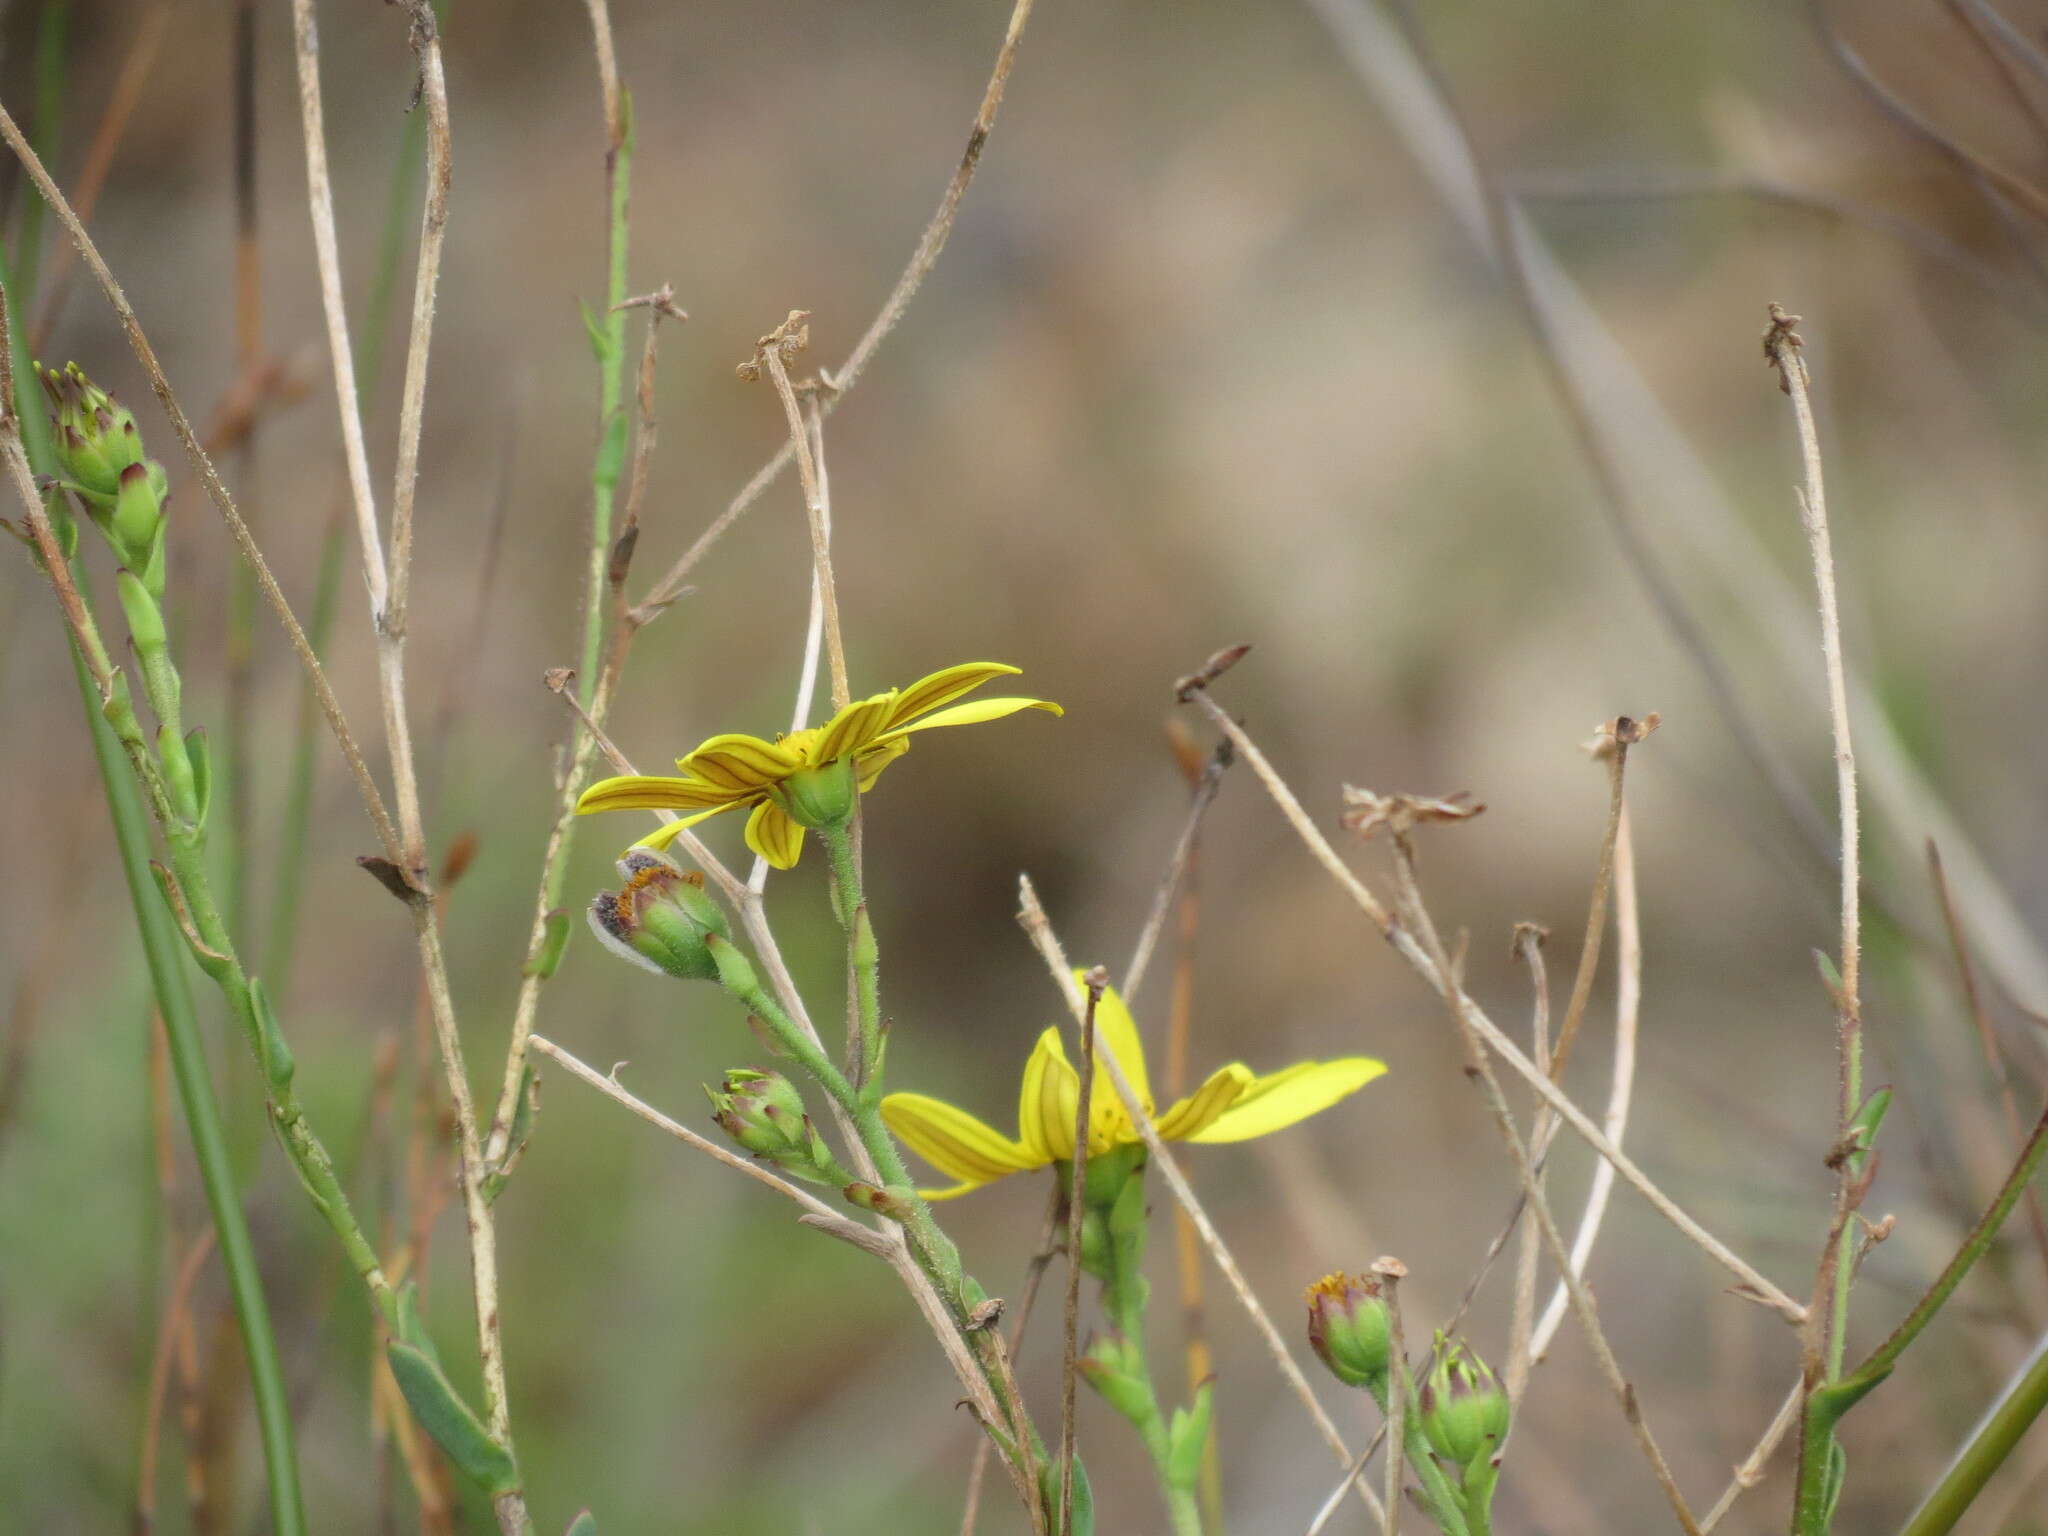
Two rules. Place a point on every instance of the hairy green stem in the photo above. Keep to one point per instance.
(862, 957)
(162, 948)
(1125, 1294)
(1445, 1505)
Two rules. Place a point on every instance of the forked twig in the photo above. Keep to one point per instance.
(1758, 1287)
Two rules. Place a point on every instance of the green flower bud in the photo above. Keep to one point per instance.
(95, 437)
(138, 515)
(1347, 1328)
(823, 796)
(660, 918)
(1464, 1411)
(764, 1113)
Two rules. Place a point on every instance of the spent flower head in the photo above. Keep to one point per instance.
(1348, 1328)
(807, 779)
(659, 918)
(1234, 1104)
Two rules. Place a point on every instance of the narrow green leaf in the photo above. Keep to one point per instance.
(553, 943)
(278, 1065)
(451, 1422)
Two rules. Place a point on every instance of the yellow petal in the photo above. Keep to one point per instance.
(638, 792)
(1048, 1101)
(1201, 1109)
(666, 833)
(973, 714)
(1115, 1028)
(875, 759)
(852, 728)
(743, 763)
(775, 837)
(953, 1141)
(928, 693)
(1279, 1099)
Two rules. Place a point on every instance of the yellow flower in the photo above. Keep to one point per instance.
(1235, 1104)
(786, 780)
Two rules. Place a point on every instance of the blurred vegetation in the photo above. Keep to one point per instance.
(1207, 361)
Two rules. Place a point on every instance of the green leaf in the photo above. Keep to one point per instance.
(584, 1524)
(1187, 1439)
(1084, 1497)
(600, 343)
(278, 1065)
(201, 759)
(611, 452)
(443, 1414)
(554, 940)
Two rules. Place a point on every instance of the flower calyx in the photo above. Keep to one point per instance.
(660, 918)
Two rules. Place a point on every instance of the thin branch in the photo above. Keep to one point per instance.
(1034, 1273)
(1760, 1288)
(1628, 1002)
(1031, 915)
(814, 626)
(1202, 795)
(817, 1213)
(788, 338)
(1390, 1272)
(1751, 1472)
(1596, 914)
(1529, 949)
(672, 585)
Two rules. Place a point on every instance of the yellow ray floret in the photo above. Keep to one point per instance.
(1234, 1104)
(728, 772)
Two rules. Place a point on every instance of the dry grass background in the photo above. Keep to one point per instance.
(1206, 361)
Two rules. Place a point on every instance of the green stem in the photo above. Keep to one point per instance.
(1124, 1297)
(1445, 1506)
(163, 949)
(611, 415)
(1986, 1450)
(862, 956)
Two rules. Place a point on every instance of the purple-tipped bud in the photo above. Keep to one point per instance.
(764, 1113)
(1464, 1411)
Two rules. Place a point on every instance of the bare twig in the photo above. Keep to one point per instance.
(1628, 999)
(771, 353)
(1390, 1272)
(1178, 867)
(922, 260)
(1034, 1274)
(814, 626)
(1596, 914)
(817, 1213)
(1751, 1472)
(1031, 915)
(176, 1319)
(1759, 1288)
(1529, 939)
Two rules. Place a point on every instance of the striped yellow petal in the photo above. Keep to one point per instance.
(637, 792)
(665, 834)
(1048, 1101)
(868, 767)
(775, 837)
(1201, 1109)
(928, 693)
(953, 1141)
(743, 763)
(1115, 1028)
(1279, 1099)
(852, 728)
(973, 714)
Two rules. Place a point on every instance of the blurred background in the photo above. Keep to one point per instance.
(1213, 356)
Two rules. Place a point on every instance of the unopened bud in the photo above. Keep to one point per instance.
(660, 918)
(99, 449)
(1464, 1411)
(1347, 1328)
(764, 1113)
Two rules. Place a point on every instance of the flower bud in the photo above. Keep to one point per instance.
(764, 1113)
(659, 918)
(1347, 1328)
(99, 449)
(1464, 1411)
(823, 796)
